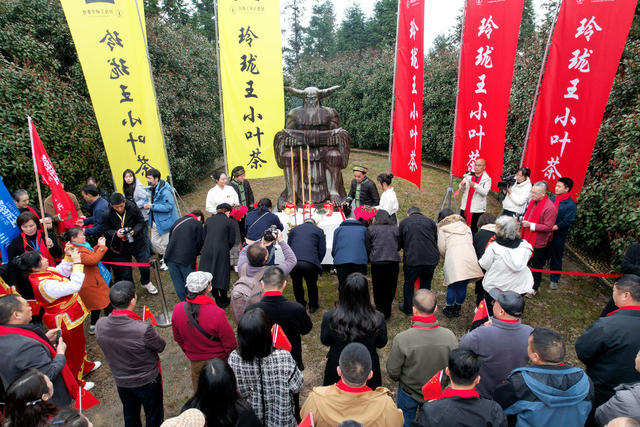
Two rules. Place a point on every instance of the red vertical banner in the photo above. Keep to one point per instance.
(42, 164)
(406, 147)
(587, 44)
(487, 56)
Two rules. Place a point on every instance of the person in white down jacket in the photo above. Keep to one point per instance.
(517, 196)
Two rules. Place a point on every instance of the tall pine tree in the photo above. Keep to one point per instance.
(319, 40)
(382, 26)
(353, 33)
(295, 41)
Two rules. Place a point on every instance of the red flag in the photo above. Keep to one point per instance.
(406, 147)
(42, 164)
(583, 58)
(482, 312)
(280, 340)
(433, 388)
(85, 400)
(308, 421)
(147, 314)
(416, 284)
(487, 56)
(35, 306)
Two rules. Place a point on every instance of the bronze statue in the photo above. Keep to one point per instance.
(316, 130)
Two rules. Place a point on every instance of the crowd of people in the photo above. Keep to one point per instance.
(502, 372)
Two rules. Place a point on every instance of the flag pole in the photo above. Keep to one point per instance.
(535, 96)
(35, 170)
(224, 136)
(393, 89)
(448, 196)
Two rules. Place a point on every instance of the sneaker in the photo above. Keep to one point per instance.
(531, 294)
(92, 329)
(163, 266)
(88, 385)
(96, 366)
(150, 288)
(553, 285)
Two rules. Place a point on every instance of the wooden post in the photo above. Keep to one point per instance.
(35, 170)
(293, 177)
(309, 172)
(302, 177)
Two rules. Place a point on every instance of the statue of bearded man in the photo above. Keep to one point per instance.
(318, 128)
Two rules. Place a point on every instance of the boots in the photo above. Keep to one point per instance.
(449, 311)
(456, 310)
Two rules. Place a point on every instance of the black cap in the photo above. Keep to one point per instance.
(510, 301)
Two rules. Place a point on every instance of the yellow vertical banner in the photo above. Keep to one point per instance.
(110, 38)
(252, 87)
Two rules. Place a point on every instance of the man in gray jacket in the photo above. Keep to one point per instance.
(625, 403)
(131, 347)
(418, 353)
(22, 347)
(501, 345)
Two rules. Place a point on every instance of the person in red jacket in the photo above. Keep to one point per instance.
(200, 327)
(537, 228)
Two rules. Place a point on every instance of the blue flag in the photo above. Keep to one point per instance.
(8, 215)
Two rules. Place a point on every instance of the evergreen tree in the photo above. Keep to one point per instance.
(528, 23)
(353, 33)
(204, 18)
(295, 41)
(319, 40)
(382, 26)
(176, 11)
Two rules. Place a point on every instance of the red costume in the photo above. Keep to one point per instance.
(64, 309)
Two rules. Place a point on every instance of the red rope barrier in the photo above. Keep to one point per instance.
(576, 273)
(128, 264)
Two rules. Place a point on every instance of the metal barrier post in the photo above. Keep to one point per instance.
(164, 318)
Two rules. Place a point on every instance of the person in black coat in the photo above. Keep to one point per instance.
(419, 244)
(309, 244)
(382, 242)
(219, 238)
(486, 234)
(461, 404)
(31, 238)
(291, 316)
(611, 342)
(363, 191)
(186, 238)
(353, 320)
(125, 214)
(567, 211)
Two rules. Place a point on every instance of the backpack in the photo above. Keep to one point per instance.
(246, 291)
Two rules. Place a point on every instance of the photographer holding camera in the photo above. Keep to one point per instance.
(124, 226)
(516, 189)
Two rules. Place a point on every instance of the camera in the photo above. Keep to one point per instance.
(127, 233)
(506, 182)
(270, 234)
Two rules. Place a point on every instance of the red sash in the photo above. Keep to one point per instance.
(533, 215)
(424, 319)
(472, 190)
(69, 380)
(202, 300)
(560, 198)
(342, 386)
(450, 392)
(41, 246)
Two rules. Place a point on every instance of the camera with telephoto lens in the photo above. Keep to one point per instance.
(270, 234)
(127, 233)
(506, 182)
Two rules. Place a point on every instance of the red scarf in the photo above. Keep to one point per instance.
(41, 246)
(424, 319)
(627, 307)
(342, 386)
(70, 381)
(450, 392)
(202, 300)
(560, 198)
(472, 190)
(533, 215)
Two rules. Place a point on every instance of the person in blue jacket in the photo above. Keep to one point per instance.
(98, 206)
(567, 210)
(349, 250)
(548, 392)
(162, 213)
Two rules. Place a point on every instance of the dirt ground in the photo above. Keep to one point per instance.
(569, 310)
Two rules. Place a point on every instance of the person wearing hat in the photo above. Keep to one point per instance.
(200, 327)
(190, 418)
(363, 191)
(502, 343)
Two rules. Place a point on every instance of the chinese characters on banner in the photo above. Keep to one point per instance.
(583, 58)
(42, 164)
(111, 47)
(8, 216)
(406, 147)
(252, 87)
(488, 53)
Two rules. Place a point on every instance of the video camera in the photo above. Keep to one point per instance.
(506, 182)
